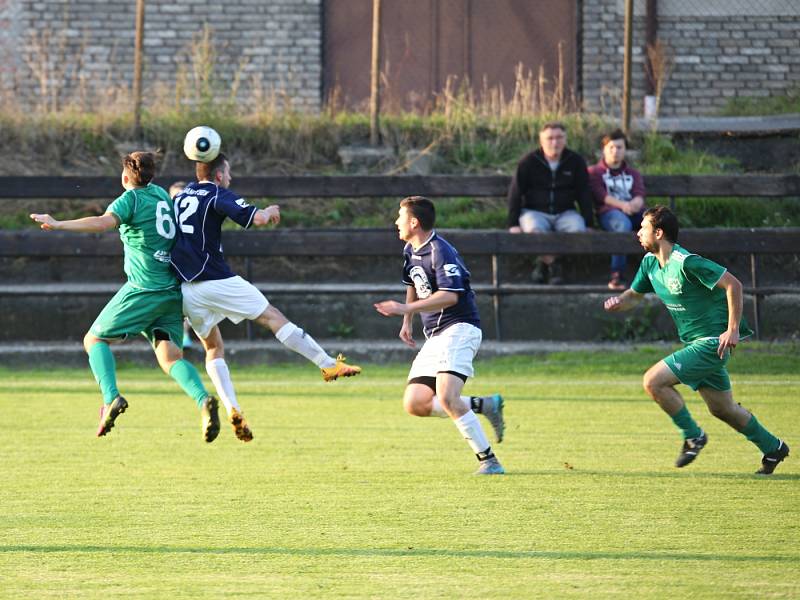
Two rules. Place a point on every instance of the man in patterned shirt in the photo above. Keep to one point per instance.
(705, 301)
(150, 301)
(438, 287)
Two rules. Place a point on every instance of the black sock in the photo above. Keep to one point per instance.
(485, 455)
(476, 404)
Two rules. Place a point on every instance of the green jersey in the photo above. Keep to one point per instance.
(147, 229)
(687, 286)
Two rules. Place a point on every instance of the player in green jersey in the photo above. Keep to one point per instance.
(150, 302)
(705, 301)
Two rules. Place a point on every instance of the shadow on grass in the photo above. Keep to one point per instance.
(404, 552)
(574, 472)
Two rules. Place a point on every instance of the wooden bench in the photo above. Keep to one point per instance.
(384, 242)
(672, 187)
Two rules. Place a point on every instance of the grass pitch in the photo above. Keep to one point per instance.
(343, 495)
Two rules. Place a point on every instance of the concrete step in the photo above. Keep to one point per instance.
(759, 125)
(564, 313)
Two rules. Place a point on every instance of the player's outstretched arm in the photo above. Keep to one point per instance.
(270, 214)
(625, 301)
(84, 225)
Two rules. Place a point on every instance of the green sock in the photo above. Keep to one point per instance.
(684, 421)
(755, 432)
(101, 361)
(189, 379)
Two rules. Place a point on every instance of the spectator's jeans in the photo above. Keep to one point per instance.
(533, 221)
(616, 220)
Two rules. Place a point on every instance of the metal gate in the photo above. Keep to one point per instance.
(425, 42)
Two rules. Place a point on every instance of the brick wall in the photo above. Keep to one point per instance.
(271, 49)
(720, 50)
(9, 30)
(263, 49)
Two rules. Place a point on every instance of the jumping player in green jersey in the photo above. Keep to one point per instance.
(150, 302)
(705, 301)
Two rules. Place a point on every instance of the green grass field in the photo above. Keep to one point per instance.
(342, 494)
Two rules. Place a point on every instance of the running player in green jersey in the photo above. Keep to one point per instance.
(150, 302)
(705, 301)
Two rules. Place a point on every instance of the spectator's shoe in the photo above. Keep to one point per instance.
(539, 273)
(616, 282)
(771, 460)
(340, 369)
(209, 412)
(691, 448)
(109, 414)
(240, 427)
(556, 274)
(493, 411)
(490, 466)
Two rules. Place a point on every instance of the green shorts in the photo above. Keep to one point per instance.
(133, 310)
(698, 365)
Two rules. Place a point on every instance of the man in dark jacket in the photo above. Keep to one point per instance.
(546, 186)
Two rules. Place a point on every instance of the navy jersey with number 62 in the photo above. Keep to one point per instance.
(434, 266)
(200, 210)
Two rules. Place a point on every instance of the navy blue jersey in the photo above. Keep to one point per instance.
(435, 266)
(200, 210)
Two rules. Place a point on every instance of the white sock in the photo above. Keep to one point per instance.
(437, 410)
(294, 338)
(218, 371)
(471, 429)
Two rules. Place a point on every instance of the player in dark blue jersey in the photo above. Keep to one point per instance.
(438, 289)
(213, 292)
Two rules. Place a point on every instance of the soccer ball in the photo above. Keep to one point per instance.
(202, 144)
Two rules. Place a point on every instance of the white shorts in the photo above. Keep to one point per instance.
(206, 303)
(452, 350)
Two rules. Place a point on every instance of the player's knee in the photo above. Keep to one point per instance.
(724, 411)
(417, 405)
(719, 412)
(89, 340)
(167, 354)
(272, 319)
(410, 405)
(214, 348)
(650, 384)
(450, 402)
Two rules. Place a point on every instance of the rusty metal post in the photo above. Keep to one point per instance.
(496, 297)
(137, 70)
(375, 76)
(626, 68)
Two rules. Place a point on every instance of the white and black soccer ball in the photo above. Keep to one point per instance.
(202, 144)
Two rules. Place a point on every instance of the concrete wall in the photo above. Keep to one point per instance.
(82, 50)
(721, 50)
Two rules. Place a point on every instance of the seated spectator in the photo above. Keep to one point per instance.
(546, 186)
(618, 197)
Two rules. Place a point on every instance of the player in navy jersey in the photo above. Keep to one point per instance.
(438, 289)
(213, 292)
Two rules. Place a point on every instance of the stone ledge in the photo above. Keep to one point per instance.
(71, 354)
(754, 125)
